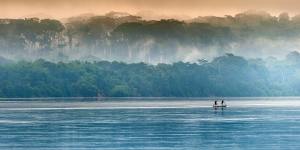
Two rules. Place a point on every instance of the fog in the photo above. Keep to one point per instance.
(121, 36)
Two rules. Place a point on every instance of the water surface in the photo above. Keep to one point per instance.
(150, 124)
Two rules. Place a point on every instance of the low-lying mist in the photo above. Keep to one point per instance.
(124, 37)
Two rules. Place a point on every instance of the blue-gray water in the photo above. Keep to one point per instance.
(150, 124)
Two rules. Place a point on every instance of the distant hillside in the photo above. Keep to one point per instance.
(124, 37)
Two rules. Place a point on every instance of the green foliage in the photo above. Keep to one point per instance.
(227, 75)
(120, 91)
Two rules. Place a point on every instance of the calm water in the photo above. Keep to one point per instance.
(150, 124)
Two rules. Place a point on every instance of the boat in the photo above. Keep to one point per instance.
(219, 106)
(222, 105)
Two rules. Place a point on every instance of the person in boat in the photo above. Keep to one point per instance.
(223, 104)
(216, 103)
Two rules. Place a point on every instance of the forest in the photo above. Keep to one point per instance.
(227, 75)
(121, 55)
(133, 39)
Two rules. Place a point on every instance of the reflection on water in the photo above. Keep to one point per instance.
(185, 124)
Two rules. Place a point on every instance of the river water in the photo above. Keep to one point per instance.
(171, 124)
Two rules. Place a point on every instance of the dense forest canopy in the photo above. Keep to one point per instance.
(128, 38)
(227, 75)
(118, 54)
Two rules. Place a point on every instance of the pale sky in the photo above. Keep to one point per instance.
(67, 8)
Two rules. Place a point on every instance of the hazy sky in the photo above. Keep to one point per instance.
(66, 8)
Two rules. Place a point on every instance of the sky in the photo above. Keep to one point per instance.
(191, 8)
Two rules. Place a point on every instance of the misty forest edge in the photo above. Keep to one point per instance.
(124, 37)
(227, 75)
(126, 56)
